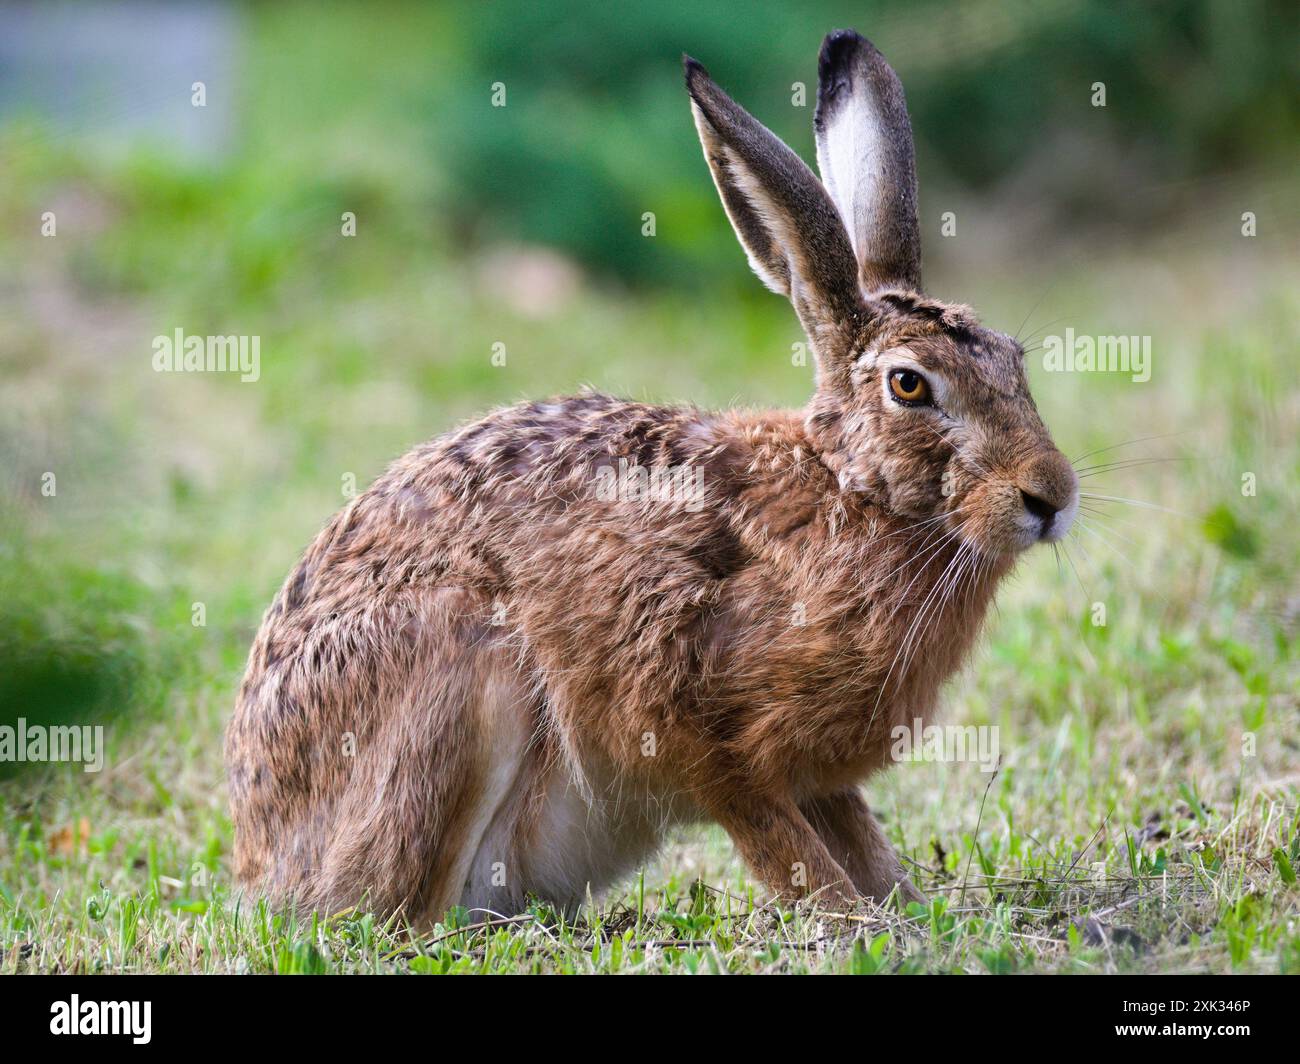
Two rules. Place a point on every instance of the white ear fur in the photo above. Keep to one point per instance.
(849, 157)
(866, 158)
(772, 269)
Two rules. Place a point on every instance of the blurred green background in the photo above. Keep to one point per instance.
(523, 225)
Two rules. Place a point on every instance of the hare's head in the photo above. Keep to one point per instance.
(917, 405)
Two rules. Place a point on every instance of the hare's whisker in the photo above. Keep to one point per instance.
(916, 619)
(1070, 560)
(934, 595)
(903, 597)
(1097, 530)
(913, 528)
(939, 595)
(917, 558)
(1096, 571)
(1041, 329)
(929, 521)
(1128, 443)
(1131, 463)
(1132, 502)
(1084, 526)
(950, 590)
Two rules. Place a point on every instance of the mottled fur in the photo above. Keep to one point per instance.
(486, 680)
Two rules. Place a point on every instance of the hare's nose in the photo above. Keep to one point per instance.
(1040, 508)
(1049, 488)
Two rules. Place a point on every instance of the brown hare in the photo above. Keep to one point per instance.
(538, 642)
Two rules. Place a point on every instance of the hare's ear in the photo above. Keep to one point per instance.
(783, 216)
(864, 151)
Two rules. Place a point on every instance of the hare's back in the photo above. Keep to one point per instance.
(497, 504)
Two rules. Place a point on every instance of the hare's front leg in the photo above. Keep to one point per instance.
(856, 840)
(781, 848)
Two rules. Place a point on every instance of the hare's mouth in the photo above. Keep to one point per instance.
(998, 520)
(1054, 529)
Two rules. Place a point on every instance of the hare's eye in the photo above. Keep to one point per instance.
(908, 387)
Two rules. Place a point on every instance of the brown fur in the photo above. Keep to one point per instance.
(538, 680)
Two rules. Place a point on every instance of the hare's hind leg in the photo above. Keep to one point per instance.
(856, 840)
(434, 774)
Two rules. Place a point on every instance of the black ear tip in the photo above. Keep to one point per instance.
(693, 70)
(839, 49)
(842, 38)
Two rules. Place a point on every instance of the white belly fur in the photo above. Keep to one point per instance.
(572, 847)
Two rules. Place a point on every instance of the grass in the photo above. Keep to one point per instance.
(1146, 813)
